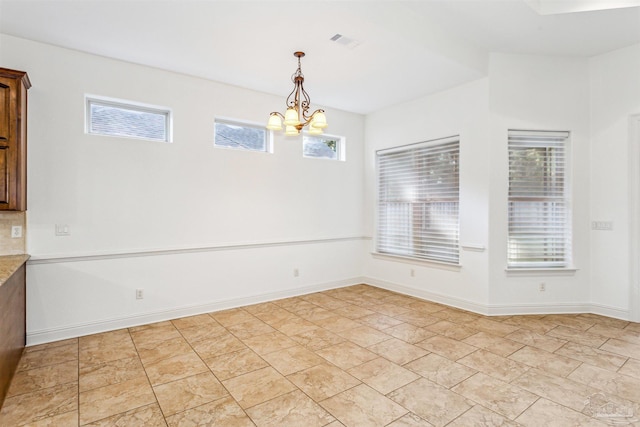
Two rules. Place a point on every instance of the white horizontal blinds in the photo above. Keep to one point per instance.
(418, 200)
(539, 226)
(127, 120)
(241, 136)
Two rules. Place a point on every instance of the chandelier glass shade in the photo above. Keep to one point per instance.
(297, 114)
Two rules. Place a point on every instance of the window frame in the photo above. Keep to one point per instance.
(128, 105)
(444, 251)
(268, 135)
(340, 147)
(560, 141)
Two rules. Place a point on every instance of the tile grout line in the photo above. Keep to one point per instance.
(157, 402)
(387, 301)
(209, 369)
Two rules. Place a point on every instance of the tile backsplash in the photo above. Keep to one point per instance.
(9, 245)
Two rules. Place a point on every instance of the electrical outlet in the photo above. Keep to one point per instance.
(412, 273)
(296, 272)
(542, 287)
(139, 293)
(16, 231)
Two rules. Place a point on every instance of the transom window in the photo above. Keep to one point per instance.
(128, 119)
(323, 147)
(418, 200)
(241, 136)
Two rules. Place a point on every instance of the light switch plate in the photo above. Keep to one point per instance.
(602, 225)
(62, 230)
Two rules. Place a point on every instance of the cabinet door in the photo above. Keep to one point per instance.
(4, 175)
(7, 135)
(5, 108)
(12, 132)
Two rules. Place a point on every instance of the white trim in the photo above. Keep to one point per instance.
(55, 334)
(426, 295)
(476, 247)
(540, 272)
(414, 145)
(502, 309)
(634, 214)
(608, 311)
(557, 308)
(91, 256)
(417, 261)
(526, 308)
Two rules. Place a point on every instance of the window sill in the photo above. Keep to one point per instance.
(415, 261)
(538, 272)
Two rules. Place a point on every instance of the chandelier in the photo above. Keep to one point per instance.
(297, 115)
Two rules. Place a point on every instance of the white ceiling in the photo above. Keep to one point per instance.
(407, 48)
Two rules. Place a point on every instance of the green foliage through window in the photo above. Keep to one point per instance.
(322, 147)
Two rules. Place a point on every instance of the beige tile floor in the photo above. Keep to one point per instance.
(356, 356)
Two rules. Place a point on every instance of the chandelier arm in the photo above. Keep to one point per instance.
(305, 103)
(293, 103)
(307, 119)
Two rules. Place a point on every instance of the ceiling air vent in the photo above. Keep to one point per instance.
(345, 41)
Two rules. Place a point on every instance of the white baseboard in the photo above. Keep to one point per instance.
(73, 331)
(608, 311)
(519, 309)
(430, 296)
(502, 310)
(551, 308)
(56, 334)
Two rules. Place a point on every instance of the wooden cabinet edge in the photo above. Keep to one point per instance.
(15, 74)
(17, 175)
(12, 327)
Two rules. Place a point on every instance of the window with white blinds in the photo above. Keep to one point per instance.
(418, 200)
(117, 117)
(539, 209)
(241, 136)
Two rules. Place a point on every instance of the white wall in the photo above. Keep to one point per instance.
(540, 93)
(202, 228)
(595, 99)
(235, 224)
(615, 97)
(521, 92)
(460, 111)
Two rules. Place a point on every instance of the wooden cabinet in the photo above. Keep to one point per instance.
(12, 326)
(13, 139)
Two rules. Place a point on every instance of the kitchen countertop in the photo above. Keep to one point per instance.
(9, 264)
